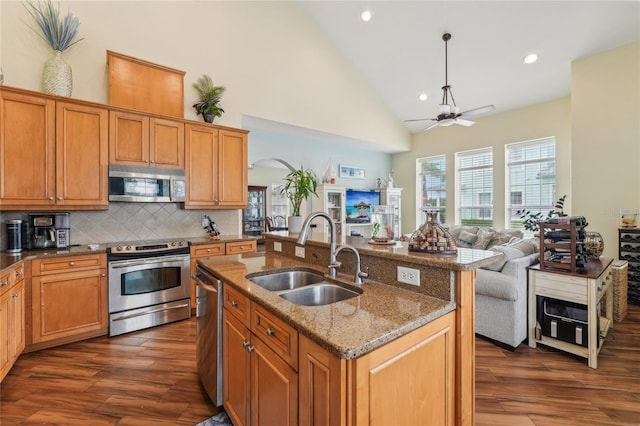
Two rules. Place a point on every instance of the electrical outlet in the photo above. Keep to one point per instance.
(409, 275)
(300, 251)
(277, 246)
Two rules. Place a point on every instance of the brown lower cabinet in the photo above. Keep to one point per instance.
(273, 376)
(12, 318)
(69, 299)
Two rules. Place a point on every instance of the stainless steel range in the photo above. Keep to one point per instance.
(149, 284)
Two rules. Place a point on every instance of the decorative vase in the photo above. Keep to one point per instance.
(208, 118)
(56, 76)
(594, 244)
(295, 224)
(432, 238)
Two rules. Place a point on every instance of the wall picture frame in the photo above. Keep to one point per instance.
(351, 172)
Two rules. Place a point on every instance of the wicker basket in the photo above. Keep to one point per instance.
(619, 269)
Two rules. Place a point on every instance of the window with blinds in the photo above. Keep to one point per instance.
(530, 178)
(431, 186)
(474, 187)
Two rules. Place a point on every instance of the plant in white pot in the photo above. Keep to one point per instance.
(299, 185)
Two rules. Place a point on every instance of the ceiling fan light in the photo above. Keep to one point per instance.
(530, 58)
(423, 96)
(366, 15)
(445, 108)
(447, 122)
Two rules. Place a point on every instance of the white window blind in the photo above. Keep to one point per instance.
(474, 170)
(432, 194)
(531, 178)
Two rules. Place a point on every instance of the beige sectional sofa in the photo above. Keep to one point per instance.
(501, 287)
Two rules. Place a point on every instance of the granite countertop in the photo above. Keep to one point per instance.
(7, 260)
(464, 260)
(349, 328)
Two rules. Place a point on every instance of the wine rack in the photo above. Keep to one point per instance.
(565, 242)
(629, 250)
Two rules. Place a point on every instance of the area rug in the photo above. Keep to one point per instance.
(220, 419)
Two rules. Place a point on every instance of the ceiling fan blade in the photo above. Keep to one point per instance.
(419, 119)
(477, 111)
(436, 124)
(464, 122)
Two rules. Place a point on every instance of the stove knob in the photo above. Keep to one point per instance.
(128, 248)
(119, 248)
(173, 244)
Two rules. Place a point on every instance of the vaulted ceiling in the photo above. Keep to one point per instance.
(400, 52)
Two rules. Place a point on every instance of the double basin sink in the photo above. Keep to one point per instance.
(302, 287)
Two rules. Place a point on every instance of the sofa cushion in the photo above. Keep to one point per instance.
(504, 236)
(455, 230)
(508, 253)
(496, 285)
(466, 239)
(484, 237)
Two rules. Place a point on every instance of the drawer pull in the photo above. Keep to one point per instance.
(4, 283)
(208, 250)
(72, 263)
(234, 303)
(270, 332)
(19, 273)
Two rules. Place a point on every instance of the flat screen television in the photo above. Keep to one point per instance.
(358, 204)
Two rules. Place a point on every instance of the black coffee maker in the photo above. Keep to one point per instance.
(48, 230)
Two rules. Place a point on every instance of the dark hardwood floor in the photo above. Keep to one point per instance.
(149, 377)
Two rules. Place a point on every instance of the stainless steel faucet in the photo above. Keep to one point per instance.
(358, 274)
(304, 233)
(333, 262)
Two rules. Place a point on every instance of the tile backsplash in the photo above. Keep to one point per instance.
(137, 221)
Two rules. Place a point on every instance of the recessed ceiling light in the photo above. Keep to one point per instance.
(366, 15)
(530, 58)
(423, 96)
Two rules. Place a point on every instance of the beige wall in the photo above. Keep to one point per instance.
(538, 121)
(273, 60)
(605, 111)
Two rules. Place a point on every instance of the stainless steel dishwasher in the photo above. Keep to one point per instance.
(209, 333)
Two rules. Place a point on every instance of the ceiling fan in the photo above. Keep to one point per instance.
(449, 112)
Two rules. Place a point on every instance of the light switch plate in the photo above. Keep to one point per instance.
(300, 251)
(277, 246)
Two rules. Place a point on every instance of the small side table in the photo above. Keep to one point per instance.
(589, 287)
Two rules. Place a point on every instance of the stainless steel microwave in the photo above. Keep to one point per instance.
(146, 185)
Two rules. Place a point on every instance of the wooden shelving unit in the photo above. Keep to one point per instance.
(629, 250)
(566, 244)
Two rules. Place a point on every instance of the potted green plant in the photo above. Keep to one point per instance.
(209, 96)
(299, 185)
(530, 220)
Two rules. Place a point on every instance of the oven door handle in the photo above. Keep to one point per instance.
(128, 264)
(152, 311)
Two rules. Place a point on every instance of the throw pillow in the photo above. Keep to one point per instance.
(466, 239)
(509, 252)
(526, 246)
(500, 238)
(484, 237)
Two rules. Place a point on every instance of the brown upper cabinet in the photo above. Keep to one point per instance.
(53, 153)
(216, 167)
(141, 140)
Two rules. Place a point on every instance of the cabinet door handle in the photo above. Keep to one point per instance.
(51, 198)
(270, 332)
(234, 303)
(245, 343)
(103, 275)
(15, 295)
(59, 198)
(72, 263)
(251, 349)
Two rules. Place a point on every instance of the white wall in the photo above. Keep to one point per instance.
(538, 121)
(271, 57)
(605, 110)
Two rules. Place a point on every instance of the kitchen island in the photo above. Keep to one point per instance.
(366, 359)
